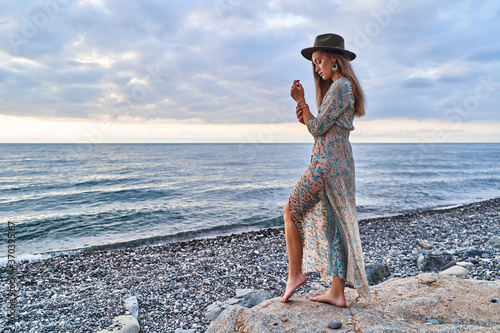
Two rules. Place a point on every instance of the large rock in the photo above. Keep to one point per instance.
(432, 261)
(471, 253)
(456, 270)
(377, 271)
(415, 304)
(244, 297)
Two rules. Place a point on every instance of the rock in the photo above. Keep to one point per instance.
(456, 270)
(180, 330)
(132, 305)
(425, 245)
(465, 264)
(494, 242)
(377, 271)
(432, 261)
(397, 305)
(244, 297)
(126, 324)
(432, 321)
(448, 265)
(473, 253)
(473, 261)
(335, 325)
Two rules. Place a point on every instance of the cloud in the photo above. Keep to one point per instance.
(232, 61)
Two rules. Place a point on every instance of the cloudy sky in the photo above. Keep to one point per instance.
(221, 70)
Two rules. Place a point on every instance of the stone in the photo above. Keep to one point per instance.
(494, 242)
(396, 305)
(244, 297)
(427, 279)
(432, 261)
(448, 265)
(456, 270)
(425, 245)
(132, 305)
(377, 271)
(465, 264)
(128, 324)
(335, 325)
(180, 330)
(433, 321)
(473, 253)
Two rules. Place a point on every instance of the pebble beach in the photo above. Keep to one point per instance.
(175, 282)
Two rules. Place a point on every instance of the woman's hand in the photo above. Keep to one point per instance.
(297, 91)
(298, 112)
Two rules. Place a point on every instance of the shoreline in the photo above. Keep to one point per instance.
(212, 233)
(175, 282)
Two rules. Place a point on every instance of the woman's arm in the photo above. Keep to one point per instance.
(337, 99)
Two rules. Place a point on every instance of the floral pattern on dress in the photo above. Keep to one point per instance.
(323, 203)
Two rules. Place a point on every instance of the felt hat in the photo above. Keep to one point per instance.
(328, 42)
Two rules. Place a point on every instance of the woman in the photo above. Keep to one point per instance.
(321, 227)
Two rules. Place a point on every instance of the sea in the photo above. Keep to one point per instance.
(67, 198)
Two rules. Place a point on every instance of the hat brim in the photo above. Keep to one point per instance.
(307, 52)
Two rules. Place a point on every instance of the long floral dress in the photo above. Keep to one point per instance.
(323, 202)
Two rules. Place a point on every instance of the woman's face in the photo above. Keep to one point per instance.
(323, 64)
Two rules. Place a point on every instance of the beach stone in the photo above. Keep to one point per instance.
(474, 253)
(465, 264)
(456, 270)
(335, 325)
(432, 261)
(377, 271)
(244, 297)
(132, 305)
(128, 325)
(180, 330)
(473, 261)
(397, 305)
(448, 265)
(425, 245)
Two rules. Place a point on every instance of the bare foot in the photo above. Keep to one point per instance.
(292, 285)
(328, 298)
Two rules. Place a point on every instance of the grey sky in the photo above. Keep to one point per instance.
(233, 61)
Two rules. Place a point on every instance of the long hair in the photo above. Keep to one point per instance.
(346, 70)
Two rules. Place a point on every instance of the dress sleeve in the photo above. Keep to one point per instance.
(337, 99)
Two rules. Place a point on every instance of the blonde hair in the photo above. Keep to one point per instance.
(346, 70)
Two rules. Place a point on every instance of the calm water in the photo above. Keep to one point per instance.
(65, 197)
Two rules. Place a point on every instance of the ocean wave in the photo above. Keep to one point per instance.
(209, 232)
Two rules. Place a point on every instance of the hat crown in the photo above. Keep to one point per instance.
(329, 40)
(331, 43)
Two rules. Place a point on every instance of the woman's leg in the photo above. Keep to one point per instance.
(336, 294)
(294, 248)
